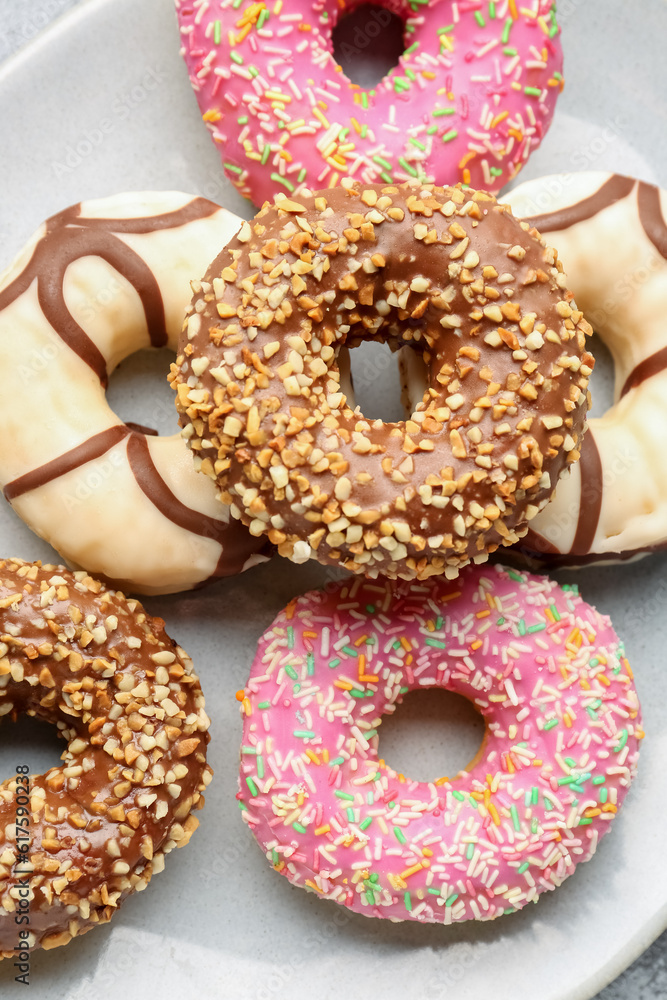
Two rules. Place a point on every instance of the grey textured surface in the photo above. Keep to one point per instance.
(23, 20)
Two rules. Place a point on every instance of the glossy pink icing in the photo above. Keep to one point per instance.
(471, 98)
(548, 674)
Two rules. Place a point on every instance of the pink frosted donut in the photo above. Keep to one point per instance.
(549, 676)
(472, 96)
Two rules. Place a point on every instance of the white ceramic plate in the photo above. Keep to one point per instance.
(100, 104)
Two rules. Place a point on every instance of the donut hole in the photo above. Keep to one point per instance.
(139, 393)
(432, 734)
(414, 375)
(368, 43)
(602, 380)
(371, 380)
(28, 741)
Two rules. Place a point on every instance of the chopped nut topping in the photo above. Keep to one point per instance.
(102, 672)
(495, 327)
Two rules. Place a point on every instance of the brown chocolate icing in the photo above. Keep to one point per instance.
(70, 236)
(235, 543)
(652, 219)
(347, 261)
(613, 190)
(198, 208)
(647, 368)
(91, 449)
(142, 429)
(590, 503)
(100, 824)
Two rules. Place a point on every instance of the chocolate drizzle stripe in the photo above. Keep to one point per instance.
(240, 556)
(21, 283)
(613, 190)
(91, 449)
(141, 428)
(198, 208)
(52, 302)
(79, 242)
(154, 487)
(590, 500)
(655, 227)
(647, 368)
(232, 537)
(69, 237)
(651, 217)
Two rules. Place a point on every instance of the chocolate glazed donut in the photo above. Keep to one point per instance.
(77, 841)
(450, 273)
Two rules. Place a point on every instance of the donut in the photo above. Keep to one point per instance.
(611, 235)
(448, 272)
(550, 678)
(77, 841)
(471, 98)
(97, 282)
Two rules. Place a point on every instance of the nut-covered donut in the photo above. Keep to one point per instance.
(125, 698)
(447, 271)
(563, 729)
(611, 234)
(97, 282)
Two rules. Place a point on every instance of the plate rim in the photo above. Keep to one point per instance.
(72, 19)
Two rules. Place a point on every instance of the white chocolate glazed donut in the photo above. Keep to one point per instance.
(96, 283)
(611, 235)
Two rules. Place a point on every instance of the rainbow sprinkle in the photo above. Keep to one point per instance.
(333, 816)
(461, 105)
